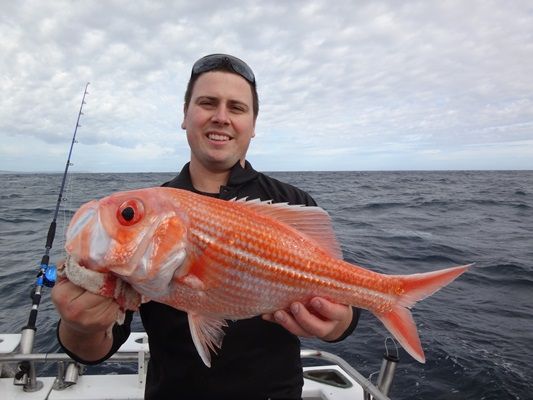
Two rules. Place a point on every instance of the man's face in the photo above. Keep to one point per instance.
(219, 120)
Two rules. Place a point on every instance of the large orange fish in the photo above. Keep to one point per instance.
(220, 260)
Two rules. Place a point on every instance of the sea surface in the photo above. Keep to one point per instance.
(477, 332)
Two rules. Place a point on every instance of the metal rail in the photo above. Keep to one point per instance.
(367, 386)
(53, 357)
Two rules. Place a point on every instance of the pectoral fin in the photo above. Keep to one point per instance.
(207, 334)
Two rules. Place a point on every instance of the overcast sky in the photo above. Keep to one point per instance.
(343, 85)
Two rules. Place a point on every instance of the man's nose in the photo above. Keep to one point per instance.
(221, 115)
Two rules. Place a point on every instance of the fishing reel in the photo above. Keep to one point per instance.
(47, 275)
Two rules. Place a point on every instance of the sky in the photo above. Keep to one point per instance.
(343, 85)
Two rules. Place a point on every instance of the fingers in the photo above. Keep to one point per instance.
(329, 310)
(338, 315)
(65, 294)
(82, 310)
(322, 319)
(288, 320)
(312, 323)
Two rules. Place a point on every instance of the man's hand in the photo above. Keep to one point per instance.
(85, 319)
(81, 310)
(321, 318)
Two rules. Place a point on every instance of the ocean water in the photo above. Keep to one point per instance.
(477, 333)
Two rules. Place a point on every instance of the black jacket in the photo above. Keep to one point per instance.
(258, 359)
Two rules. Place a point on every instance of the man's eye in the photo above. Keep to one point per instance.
(239, 109)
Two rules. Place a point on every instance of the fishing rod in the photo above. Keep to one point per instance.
(25, 375)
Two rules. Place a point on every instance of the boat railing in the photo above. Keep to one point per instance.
(369, 388)
(136, 350)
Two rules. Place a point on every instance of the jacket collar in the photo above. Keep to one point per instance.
(238, 176)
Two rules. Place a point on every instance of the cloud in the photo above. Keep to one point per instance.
(342, 78)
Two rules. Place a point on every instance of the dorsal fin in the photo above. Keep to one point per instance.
(313, 222)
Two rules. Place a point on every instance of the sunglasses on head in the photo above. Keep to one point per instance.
(214, 61)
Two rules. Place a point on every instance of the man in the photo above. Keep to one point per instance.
(260, 356)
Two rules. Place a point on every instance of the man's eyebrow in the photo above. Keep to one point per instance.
(216, 99)
(238, 102)
(207, 98)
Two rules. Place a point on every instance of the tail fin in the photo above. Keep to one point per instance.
(399, 320)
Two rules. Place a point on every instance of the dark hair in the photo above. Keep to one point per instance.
(224, 68)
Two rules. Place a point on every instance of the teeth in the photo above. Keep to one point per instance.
(217, 137)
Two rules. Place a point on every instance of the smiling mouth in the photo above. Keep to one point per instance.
(218, 137)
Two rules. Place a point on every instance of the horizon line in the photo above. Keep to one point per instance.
(6, 172)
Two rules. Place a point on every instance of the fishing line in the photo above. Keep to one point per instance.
(46, 276)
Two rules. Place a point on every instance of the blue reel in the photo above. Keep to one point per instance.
(49, 275)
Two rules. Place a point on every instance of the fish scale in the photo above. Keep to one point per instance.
(293, 270)
(237, 259)
(297, 270)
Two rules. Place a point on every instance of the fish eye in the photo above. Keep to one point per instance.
(130, 212)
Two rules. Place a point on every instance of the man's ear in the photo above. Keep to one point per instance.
(183, 126)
